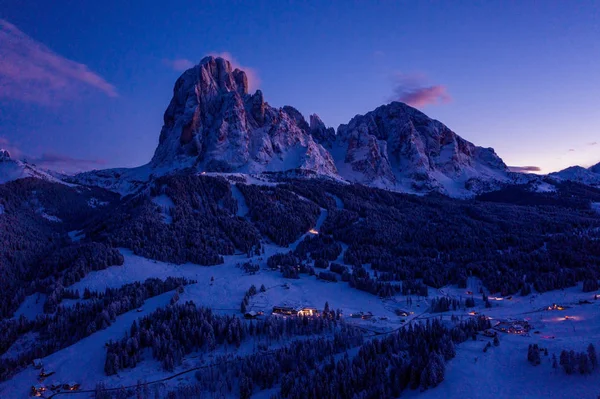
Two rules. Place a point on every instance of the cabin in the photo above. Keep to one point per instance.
(44, 373)
(284, 310)
(251, 314)
(403, 313)
(37, 363)
(556, 307)
(38, 390)
(308, 312)
(367, 316)
(313, 231)
(71, 386)
(56, 385)
(358, 315)
(513, 327)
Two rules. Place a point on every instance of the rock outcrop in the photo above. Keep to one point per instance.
(214, 124)
(399, 147)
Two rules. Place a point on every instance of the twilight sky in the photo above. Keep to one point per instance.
(84, 84)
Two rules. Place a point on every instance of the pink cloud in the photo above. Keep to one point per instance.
(179, 64)
(251, 73)
(31, 72)
(593, 143)
(412, 90)
(525, 169)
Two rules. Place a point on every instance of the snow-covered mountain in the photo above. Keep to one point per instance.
(588, 176)
(12, 169)
(213, 124)
(399, 147)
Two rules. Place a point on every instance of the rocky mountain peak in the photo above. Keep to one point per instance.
(320, 132)
(214, 124)
(4, 155)
(399, 146)
(595, 168)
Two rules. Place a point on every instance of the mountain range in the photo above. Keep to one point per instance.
(213, 124)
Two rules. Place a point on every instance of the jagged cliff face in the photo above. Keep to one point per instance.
(214, 124)
(397, 146)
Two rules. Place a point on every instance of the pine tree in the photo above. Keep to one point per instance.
(554, 362)
(496, 341)
(591, 351)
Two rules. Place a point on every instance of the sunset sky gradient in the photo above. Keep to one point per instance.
(85, 84)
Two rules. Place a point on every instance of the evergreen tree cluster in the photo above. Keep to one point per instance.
(203, 226)
(320, 247)
(409, 358)
(27, 238)
(248, 295)
(444, 304)
(510, 246)
(288, 216)
(582, 362)
(362, 280)
(175, 331)
(69, 324)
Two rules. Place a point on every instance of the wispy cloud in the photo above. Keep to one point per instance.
(593, 143)
(31, 72)
(525, 169)
(251, 73)
(52, 160)
(178, 64)
(571, 149)
(413, 90)
(65, 162)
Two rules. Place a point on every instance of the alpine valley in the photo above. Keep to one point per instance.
(261, 254)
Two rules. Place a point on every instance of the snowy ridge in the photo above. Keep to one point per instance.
(579, 174)
(11, 169)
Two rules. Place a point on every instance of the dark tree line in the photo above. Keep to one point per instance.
(410, 358)
(175, 331)
(204, 225)
(582, 362)
(27, 238)
(511, 247)
(70, 324)
(278, 213)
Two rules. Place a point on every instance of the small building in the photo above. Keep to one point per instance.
(313, 231)
(56, 385)
(251, 314)
(71, 386)
(308, 312)
(284, 310)
(37, 363)
(44, 373)
(357, 315)
(403, 313)
(367, 316)
(38, 390)
(556, 307)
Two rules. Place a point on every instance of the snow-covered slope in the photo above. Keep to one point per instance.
(213, 124)
(399, 147)
(11, 169)
(579, 174)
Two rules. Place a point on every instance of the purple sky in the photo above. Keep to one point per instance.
(84, 84)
